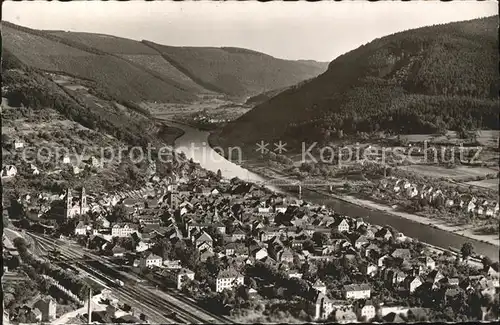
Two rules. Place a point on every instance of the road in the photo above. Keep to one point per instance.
(153, 303)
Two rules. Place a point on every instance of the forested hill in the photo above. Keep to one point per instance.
(146, 71)
(236, 71)
(417, 81)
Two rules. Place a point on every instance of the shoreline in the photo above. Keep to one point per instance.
(374, 206)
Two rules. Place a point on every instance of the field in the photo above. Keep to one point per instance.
(487, 183)
(458, 173)
(487, 138)
(214, 107)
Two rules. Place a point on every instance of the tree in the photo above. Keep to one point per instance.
(467, 250)
(219, 174)
(320, 238)
(487, 261)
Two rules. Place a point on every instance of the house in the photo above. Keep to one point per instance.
(411, 283)
(360, 241)
(203, 240)
(48, 308)
(142, 246)
(295, 274)
(396, 277)
(18, 144)
(357, 291)
(319, 286)
(381, 260)
(492, 270)
(123, 230)
(411, 192)
(341, 225)
(345, 315)
(285, 255)
(179, 276)
(453, 282)
(81, 229)
(392, 318)
(384, 234)
(172, 264)
(434, 277)
(9, 171)
(369, 269)
(34, 170)
(260, 253)
(365, 310)
(238, 234)
(150, 260)
(321, 307)
(401, 253)
(227, 279)
(118, 251)
(428, 262)
(103, 222)
(371, 250)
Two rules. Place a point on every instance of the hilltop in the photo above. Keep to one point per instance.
(142, 71)
(107, 74)
(235, 71)
(418, 81)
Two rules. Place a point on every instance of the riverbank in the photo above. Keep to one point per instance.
(374, 206)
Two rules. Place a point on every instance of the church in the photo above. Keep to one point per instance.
(75, 205)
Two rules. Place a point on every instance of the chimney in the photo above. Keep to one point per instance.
(89, 307)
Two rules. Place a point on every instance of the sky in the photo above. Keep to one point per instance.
(317, 31)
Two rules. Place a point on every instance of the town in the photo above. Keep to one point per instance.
(241, 251)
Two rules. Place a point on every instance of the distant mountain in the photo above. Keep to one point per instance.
(146, 71)
(235, 71)
(106, 73)
(134, 51)
(418, 81)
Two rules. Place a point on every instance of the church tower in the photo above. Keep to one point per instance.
(215, 217)
(83, 201)
(69, 204)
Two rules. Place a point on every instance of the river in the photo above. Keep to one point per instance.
(194, 143)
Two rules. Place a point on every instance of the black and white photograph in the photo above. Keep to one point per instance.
(247, 162)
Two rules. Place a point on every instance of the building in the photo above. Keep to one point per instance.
(428, 262)
(48, 308)
(150, 260)
(321, 307)
(357, 291)
(401, 253)
(238, 234)
(319, 286)
(9, 171)
(227, 279)
(411, 283)
(260, 253)
(81, 229)
(369, 269)
(178, 276)
(341, 225)
(123, 230)
(75, 207)
(285, 255)
(365, 310)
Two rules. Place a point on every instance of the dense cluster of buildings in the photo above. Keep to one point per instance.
(258, 226)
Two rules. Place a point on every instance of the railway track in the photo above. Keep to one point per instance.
(135, 292)
(130, 299)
